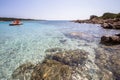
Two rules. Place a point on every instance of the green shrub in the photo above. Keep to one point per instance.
(118, 15)
(109, 16)
(93, 16)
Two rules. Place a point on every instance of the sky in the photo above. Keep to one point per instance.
(57, 9)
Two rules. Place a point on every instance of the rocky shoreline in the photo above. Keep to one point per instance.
(107, 21)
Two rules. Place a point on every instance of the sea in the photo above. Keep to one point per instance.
(29, 42)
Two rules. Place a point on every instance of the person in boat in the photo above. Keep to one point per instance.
(16, 22)
(13, 22)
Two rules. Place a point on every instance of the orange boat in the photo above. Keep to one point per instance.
(16, 22)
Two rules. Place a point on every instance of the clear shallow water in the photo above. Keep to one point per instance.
(28, 42)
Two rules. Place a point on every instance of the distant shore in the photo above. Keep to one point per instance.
(11, 19)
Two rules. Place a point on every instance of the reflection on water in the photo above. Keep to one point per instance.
(28, 42)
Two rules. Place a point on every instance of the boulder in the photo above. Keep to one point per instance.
(117, 35)
(107, 25)
(116, 25)
(110, 40)
(111, 25)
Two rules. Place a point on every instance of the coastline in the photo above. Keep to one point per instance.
(76, 64)
(107, 21)
(85, 61)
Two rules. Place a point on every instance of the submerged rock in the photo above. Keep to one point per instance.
(73, 65)
(53, 50)
(70, 57)
(115, 65)
(80, 35)
(109, 61)
(63, 41)
(23, 72)
(51, 70)
(58, 66)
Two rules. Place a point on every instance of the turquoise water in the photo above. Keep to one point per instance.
(28, 42)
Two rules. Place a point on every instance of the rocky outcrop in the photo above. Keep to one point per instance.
(111, 24)
(111, 40)
(92, 21)
(107, 23)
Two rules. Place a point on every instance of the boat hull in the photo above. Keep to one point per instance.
(14, 24)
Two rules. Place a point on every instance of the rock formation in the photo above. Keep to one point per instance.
(107, 21)
(111, 40)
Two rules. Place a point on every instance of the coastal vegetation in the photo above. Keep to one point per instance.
(107, 15)
(110, 15)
